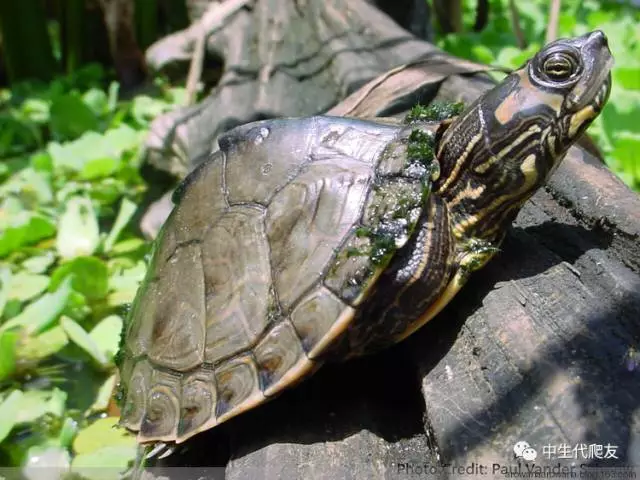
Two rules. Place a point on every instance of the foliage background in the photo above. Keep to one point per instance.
(71, 257)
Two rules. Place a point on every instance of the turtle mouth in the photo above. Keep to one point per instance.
(595, 87)
(581, 119)
(603, 94)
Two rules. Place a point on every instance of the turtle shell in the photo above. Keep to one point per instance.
(271, 248)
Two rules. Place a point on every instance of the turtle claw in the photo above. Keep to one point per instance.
(158, 449)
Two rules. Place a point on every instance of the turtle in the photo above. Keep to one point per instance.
(302, 241)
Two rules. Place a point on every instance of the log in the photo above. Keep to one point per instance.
(281, 58)
(535, 348)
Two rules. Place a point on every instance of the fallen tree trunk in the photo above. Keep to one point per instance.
(538, 347)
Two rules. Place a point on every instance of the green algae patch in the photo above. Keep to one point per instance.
(435, 112)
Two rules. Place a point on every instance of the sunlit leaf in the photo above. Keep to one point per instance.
(39, 263)
(5, 285)
(78, 231)
(24, 228)
(36, 403)
(31, 185)
(126, 212)
(99, 168)
(104, 396)
(145, 109)
(41, 161)
(40, 314)
(102, 433)
(96, 100)
(80, 337)
(25, 286)
(105, 463)
(44, 345)
(121, 139)
(106, 335)
(9, 409)
(125, 284)
(127, 246)
(36, 110)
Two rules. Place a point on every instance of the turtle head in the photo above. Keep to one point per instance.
(504, 147)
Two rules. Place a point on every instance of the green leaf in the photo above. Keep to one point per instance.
(103, 397)
(97, 101)
(483, 54)
(25, 286)
(105, 463)
(99, 168)
(114, 88)
(36, 403)
(127, 246)
(106, 335)
(39, 263)
(36, 110)
(177, 96)
(145, 109)
(5, 282)
(32, 186)
(9, 410)
(80, 337)
(68, 432)
(70, 117)
(121, 139)
(44, 345)
(8, 343)
(102, 433)
(78, 231)
(108, 191)
(125, 284)
(126, 212)
(17, 136)
(73, 155)
(25, 228)
(90, 276)
(41, 313)
(41, 161)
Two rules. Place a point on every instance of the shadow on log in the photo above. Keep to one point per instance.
(533, 349)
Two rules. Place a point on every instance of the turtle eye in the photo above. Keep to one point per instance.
(559, 66)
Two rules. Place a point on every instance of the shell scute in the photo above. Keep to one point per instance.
(237, 278)
(201, 202)
(135, 404)
(177, 332)
(314, 316)
(238, 385)
(276, 354)
(197, 401)
(309, 219)
(160, 420)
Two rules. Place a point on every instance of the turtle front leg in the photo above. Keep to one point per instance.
(421, 276)
(473, 256)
